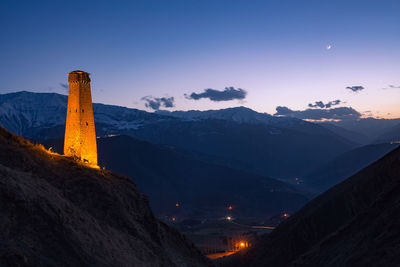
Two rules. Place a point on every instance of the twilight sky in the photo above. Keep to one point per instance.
(277, 51)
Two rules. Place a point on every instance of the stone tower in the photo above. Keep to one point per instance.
(80, 135)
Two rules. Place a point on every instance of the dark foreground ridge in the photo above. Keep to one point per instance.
(356, 223)
(54, 212)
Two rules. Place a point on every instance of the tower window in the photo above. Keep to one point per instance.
(76, 110)
(87, 124)
(83, 110)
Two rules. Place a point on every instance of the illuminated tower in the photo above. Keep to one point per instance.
(80, 135)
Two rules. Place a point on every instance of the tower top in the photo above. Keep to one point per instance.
(78, 75)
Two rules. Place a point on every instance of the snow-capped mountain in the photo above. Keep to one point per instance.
(24, 113)
(238, 114)
(244, 115)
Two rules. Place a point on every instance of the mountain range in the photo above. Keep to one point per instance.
(23, 112)
(345, 165)
(239, 138)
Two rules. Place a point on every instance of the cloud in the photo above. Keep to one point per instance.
(392, 87)
(321, 104)
(229, 93)
(317, 104)
(156, 102)
(341, 113)
(355, 88)
(367, 113)
(64, 87)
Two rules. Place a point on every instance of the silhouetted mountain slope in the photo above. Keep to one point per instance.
(391, 135)
(370, 127)
(54, 212)
(372, 239)
(355, 137)
(257, 148)
(356, 223)
(169, 176)
(345, 165)
(239, 137)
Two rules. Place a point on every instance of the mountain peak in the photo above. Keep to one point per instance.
(239, 114)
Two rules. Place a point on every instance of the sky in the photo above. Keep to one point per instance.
(266, 53)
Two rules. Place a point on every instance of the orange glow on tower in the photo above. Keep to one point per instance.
(80, 135)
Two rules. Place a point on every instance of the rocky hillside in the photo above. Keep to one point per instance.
(345, 165)
(356, 223)
(54, 212)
